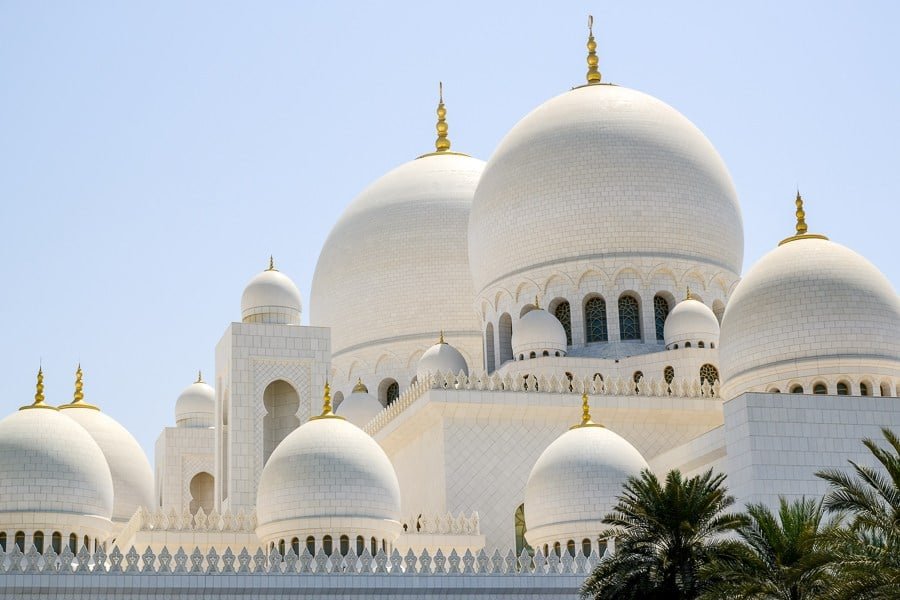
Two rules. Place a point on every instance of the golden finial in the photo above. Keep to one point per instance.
(39, 393)
(537, 303)
(327, 412)
(442, 143)
(78, 396)
(360, 386)
(585, 413)
(271, 264)
(441, 340)
(801, 228)
(593, 73)
(199, 376)
(688, 295)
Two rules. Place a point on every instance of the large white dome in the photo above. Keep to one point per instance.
(602, 171)
(196, 405)
(271, 297)
(50, 464)
(394, 269)
(328, 477)
(575, 483)
(538, 331)
(810, 309)
(132, 477)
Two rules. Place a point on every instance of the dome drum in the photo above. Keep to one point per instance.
(335, 527)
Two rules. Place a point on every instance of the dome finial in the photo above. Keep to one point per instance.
(78, 396)
(271, 264)
(442, 143)
(801, 229)
(360, 386)
(688, 295)
(39, 393)
(537, 303)
(199, 376)
(593, 73)
(327, 411)
(585, 413)
(441, 340)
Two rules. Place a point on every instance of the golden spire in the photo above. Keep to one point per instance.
(801, 229)
(585, 414)
(199, 376)
(688, 295)
(442, 143)
(39, 393)
(593, 73)
(327, 412)
(537, 303)
(441, 340)
(271, 264)
(360, 386)
(78, 396)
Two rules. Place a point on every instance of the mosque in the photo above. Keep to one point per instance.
(473, 389)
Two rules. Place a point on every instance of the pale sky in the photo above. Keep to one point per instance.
(153, 154)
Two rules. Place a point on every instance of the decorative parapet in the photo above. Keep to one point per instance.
(612, 386)
(173, 520)
(212, 563)
(445, 524)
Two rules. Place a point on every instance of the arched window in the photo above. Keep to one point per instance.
(774, 391)
(87, 543)
(820, 388)
(571, 378)
(489, 363)
(797, 389)
(393, 392)
(545, 353)
(3, 540)
(629, 318)
(388, 391)
(570, 547)
(519, 519)
(546, 550)
(201, 488)
(345, 545)
(504, 330)
(687, 344)
(295, 546)
(586, 547)
(669, 374)
(38, 540)
(557, 549)
(281, 402)
(281, 547)
(374, 543)
(20, 540)
(885, 389)
(595, 329)
(360, 545)
(532, 355)
(327, 546)
(712, 344)
(863, 389)
(843, 389)
(73, 543)
(660, 312)
(563, 312)
(311, 545)
(56, 542)
(701, 345)
(709, 374)
(636, 378)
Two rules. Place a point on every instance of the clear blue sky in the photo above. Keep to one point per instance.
(153, 154)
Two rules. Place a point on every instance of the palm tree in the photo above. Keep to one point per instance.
(868, 549)
(781, 557)
(663, 535)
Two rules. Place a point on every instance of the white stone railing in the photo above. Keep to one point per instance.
(611, 386)
(446, 524)
(213, 563)
(173, 520)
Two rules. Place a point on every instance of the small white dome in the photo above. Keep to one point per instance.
(132, 477)
(271, 297)
(328, 477)
(50, 464)
(441, 358)
(808, 308)
(359, 407)
(691, 321)
(575, 483)
(196, 406)
(538, 331)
